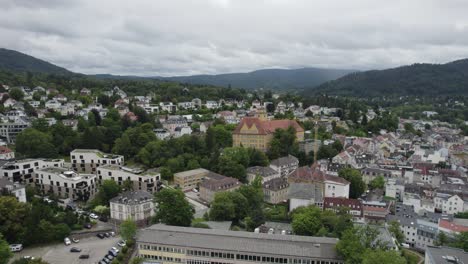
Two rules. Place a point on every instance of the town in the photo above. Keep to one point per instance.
(248, 178)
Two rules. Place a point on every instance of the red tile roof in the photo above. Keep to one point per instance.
(329, 202)
(4, 150)
(267, 126)
(452, 227)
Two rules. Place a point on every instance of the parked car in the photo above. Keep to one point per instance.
(106, 260)
(84, 256)
(103, 218)
(75, 249)
(107, 234)
(93, 216)
(101, 235)
(87, 226)
(113, 253)
(67, 241)
(75, 240)
(110, 257)
(112, 233)
(115, 249)
(28, 257)
(121, 243)
(16, 247)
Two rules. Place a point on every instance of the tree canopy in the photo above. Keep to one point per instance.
(172, 208)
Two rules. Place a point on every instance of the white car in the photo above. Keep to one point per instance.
(121, 243)
(67, 241)
(93, 216)
(16, 247)
(115, 249)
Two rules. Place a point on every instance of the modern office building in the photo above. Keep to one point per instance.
(171, 244)
(87, 160)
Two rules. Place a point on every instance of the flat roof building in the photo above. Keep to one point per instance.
(171, 244)
(187, 180)
(445, 255)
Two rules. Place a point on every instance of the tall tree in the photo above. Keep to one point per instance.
(5, 253)
(32, 143)
(128, 229)
(172, 208)
(357, 185)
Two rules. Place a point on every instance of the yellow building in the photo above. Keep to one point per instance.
(257, 132)
(187, 180)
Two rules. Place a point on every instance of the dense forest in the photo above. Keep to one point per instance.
(16, 61)
(417, 79)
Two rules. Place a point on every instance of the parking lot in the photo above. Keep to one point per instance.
(95, 247)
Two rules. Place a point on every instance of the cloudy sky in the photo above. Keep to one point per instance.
(184, 37)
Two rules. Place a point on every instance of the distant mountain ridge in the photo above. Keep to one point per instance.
(274, 79)
(417, 79)
(15, 61)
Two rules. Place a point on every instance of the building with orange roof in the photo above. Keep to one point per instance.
(257, 132)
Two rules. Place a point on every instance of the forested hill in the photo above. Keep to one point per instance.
(273, 79)
(15, 61)
(417, 79)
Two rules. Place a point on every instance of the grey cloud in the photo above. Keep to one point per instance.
(180, 37)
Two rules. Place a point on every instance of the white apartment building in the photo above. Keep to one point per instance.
(88, 160)
(285, 165)
(448, 203)
(10, 130)
(136, 205)
(65, 183)
(22, 170)
(336, 186)
(142, 180)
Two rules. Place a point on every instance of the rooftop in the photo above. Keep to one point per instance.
(269, 244)
(132, 197)
(189, 173)
(446, 255)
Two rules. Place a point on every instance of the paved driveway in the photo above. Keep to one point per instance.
(95, 247)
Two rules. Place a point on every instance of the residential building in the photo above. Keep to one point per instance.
(161, 133)
(375, 211)
(445, 255)
(257, 132)
(266, 173)
(173, 122)
(187, 180)
(352, 206)
(6, 153)
(216, 183)
(180, 131)
(285, 165)
(12, 188)
(211, 105)
(172, 244)
(135, 205)
(276, 190)
(65, 183)
(10, 130)
(448, 203)
(87, 160)
(22, 170)
(426, 234)
(141, 180)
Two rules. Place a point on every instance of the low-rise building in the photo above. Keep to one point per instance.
(445, 255)
(448, 203)
(304, 194)
(141, 180)
(352, 206)
(65, 183)
(285, 165)
(10, 130)
(172, 244)
(275, 191)
(12, 188)
(266, 173)
(87, 160)
(216, 183)
(135, 205)
(187, 180)
(6, 153)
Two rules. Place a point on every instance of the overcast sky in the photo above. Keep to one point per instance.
(185, 37)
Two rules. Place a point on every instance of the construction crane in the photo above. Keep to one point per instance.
(315, 139)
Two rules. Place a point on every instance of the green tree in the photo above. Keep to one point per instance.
(128, 229)
(257, 157)
(307, 221)
(16, 93)
(461, 241)
(355, 241)
(382, 257)
(377, 183)
(12, 215)
(357, 185)
(102, 210)
(222, 208)
(5, 253)
(283, 143)
(394, 228)
(108, 190)
(32, 143)
(172, 208)
(441, 239)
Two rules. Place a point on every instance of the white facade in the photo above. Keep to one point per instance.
(448, 204)
(142, 180)
(336, 189)
(16, 189)
(87, 160)
(136, 205)
(21, 170)
(53, 104)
